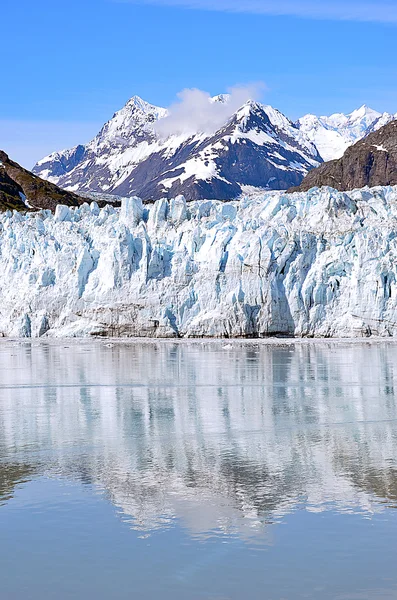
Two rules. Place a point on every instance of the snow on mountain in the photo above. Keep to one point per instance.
(121, 143)
(320, 263)
(257, 146)
(333, 135)
(372, 161)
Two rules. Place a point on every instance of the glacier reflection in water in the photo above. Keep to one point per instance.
(224, 441)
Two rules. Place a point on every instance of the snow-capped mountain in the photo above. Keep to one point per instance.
(119, 146)
(333, 135)
(257, 146)
(370, 162)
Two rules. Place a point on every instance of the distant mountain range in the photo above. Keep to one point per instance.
(333, 135)
(371, 162)
(258, 147)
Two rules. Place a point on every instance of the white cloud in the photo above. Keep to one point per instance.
(384, 11)
(26, 142)
(195, 112)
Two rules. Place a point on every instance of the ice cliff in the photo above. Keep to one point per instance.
(321, 263)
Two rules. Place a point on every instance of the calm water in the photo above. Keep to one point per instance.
(184, 471)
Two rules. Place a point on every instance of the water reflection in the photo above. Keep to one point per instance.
(10, 476)
(225, 437)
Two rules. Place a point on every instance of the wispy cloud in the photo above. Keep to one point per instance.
(384, 11)
(195, 111)
(28, 141)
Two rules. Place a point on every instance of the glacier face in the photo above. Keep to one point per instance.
(321, 263)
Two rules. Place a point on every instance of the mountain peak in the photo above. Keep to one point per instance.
(248, 108)
(364, 111)
(255, 146)
(334, 134)
(142, 105)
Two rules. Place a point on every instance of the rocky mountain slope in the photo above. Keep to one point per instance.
(11, 194)
(20, 189)
(334, 134)
(257, 146)
(370, 162)
(321, 263)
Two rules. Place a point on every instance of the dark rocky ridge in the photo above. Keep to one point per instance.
(10, 193)
(17, 182)
(370, 162)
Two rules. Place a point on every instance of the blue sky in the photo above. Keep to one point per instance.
(67, 67)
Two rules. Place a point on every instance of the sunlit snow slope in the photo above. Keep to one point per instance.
(333, 135)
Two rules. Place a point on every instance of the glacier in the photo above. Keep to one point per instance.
(316, 264)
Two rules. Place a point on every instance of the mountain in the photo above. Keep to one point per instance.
(11, 194)
(370, 162)
(21, 190)
(122, 142)
(319, 263)
(333, 135)
(257, 146)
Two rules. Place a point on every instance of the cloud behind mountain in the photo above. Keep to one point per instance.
(197, 112)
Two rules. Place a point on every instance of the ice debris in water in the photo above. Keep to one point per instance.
(321, 263)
